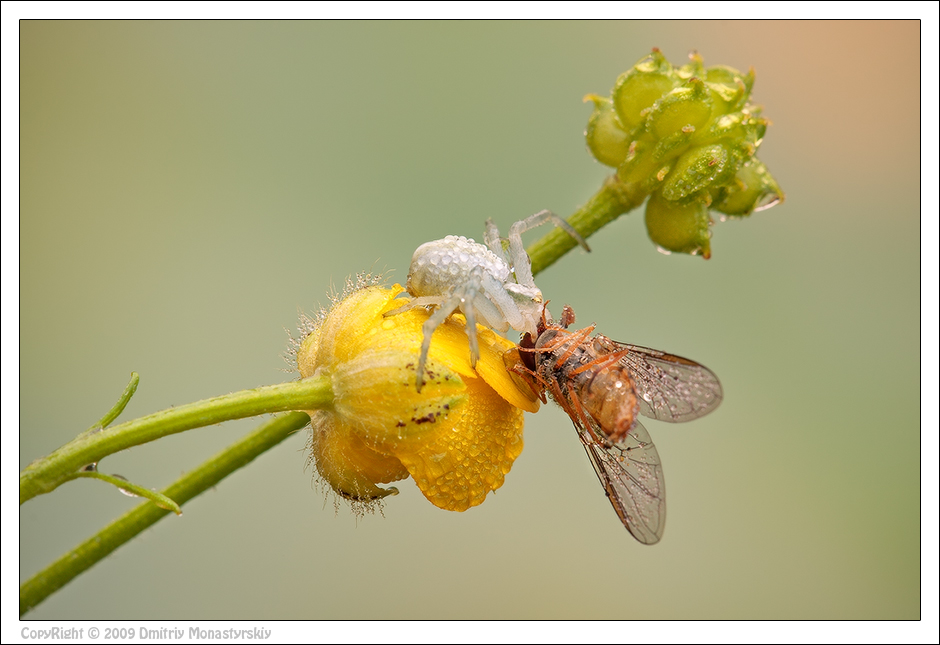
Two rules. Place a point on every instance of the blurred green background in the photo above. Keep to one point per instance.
(186, 187)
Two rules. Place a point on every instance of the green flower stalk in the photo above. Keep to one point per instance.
(687, 137)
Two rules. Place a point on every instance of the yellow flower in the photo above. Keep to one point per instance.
(457, 438)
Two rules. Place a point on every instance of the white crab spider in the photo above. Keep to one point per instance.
(487, 285)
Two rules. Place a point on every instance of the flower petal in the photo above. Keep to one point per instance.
(347, 464)
(456, 468)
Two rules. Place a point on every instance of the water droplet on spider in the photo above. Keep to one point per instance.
(90, 468)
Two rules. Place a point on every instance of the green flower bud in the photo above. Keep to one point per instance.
(730, 89)
(636, 90)
(687, 136)
(754, 189)
(606, 138)
(679, 227)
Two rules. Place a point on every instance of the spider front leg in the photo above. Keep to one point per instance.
(518, 258)
(427, 330)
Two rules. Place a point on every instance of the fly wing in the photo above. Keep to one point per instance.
(632, 476)
(669, 387)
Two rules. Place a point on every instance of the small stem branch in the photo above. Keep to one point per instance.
(118, 408)
(613, 200)
(130, 488)
(47, 473)
(89, 552)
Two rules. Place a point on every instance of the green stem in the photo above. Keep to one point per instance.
(86, 554)
(613, 200)
(47, 473)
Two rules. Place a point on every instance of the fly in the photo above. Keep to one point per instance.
(603, 385)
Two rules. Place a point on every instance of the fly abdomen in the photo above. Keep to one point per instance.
(610, 397)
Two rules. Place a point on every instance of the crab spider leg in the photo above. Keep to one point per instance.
(464, 298)
(519, 260)
(467, 300)
(491, 238)
(422, 301)
(432, 323)
(498, 308)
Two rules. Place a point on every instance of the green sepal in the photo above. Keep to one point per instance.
(730, 88)
(696, 169)
(647, 165)
(743, 127)
(695, 67)
(684, 107)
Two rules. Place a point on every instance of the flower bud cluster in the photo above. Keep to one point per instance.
(687, 136)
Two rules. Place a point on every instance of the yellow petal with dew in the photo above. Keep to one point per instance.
(457, 468)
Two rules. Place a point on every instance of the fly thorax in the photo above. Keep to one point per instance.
(544, 338)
